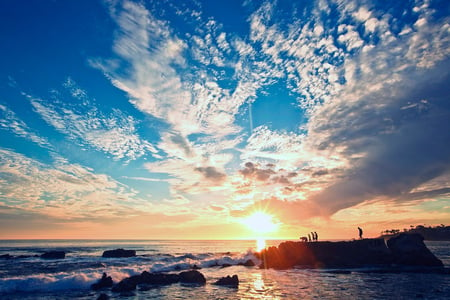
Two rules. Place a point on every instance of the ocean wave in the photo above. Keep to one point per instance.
(89, 272)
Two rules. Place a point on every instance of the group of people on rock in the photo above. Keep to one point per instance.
(312, 237)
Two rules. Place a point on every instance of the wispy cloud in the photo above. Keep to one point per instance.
(115, 134)
(9, 121)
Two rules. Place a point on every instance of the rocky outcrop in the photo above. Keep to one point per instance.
(104, 282)
(410, 250)
(407, 250)
(119, 253)
(192, 276)
(229, 281)
(54, 255)
(146, 278)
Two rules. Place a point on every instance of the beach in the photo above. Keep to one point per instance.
(31, 277)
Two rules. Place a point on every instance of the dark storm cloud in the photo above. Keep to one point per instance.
(400, 137)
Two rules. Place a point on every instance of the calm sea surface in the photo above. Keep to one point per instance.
(70, 278)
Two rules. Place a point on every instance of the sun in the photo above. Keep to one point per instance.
(260, 222)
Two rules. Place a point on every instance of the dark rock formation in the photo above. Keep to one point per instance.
(119, 253)
(54, 255)
(192, 276)
(127, 284)
(410, 250)
(159, 278)
(146, 280)
(103, 297)
(407, 250)
(232, 281)
(104, 282)
(247, 263)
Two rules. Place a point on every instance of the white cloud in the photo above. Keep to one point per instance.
(115, 134)
(62, 190)
(11, 122)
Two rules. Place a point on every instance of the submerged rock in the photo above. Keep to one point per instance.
(230, 281)
(54, 255)
(104, 282)
(119, 253)
(405, 249)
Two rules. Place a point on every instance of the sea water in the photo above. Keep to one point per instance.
(70, 278)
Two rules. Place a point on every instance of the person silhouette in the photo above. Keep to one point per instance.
(360, 233)
(316, 236)
(309, 237)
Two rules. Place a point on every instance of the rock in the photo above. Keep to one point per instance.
(404, 249)
(159, 278)
(103, 297)
(104, 282)
(127, 285)
(192, 276)
(54, 255)
(228, 281)
(226, 265)
(248, 263)
(119, 253)
(410, 250)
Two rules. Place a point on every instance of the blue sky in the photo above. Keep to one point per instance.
(169, 119)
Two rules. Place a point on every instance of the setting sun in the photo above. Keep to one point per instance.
(260, 222)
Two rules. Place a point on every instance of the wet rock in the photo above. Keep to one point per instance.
(230, 281)
(192, 276)
(103, 296)
(410, 250)
(54, 255)
(158, 278)
(127, 285)
(248, 263)
(104, 282)
(119, 253)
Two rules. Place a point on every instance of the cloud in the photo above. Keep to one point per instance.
(211, 173)
(395, 149)
(9, 121)
(114, 134)
(63, 190)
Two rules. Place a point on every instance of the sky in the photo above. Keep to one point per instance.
(179, 119)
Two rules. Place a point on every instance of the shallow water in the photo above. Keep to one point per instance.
(34, 278)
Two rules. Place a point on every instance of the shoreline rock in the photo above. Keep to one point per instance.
(158, 279)
(404, 250)
(54, 255)
(118, 253)
(229, 281)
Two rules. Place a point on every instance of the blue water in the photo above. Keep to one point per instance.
(35, 278)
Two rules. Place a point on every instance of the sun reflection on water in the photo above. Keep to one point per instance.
(260, 244)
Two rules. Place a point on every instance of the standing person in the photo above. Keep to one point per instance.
(309, 237)
(316, 236)
(360, 233)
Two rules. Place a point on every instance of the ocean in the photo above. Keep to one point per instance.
(31, 277)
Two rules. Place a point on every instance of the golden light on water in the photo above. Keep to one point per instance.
(260, 244)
